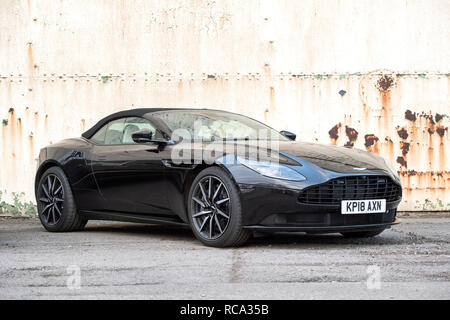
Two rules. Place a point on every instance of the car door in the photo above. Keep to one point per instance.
(130, 176)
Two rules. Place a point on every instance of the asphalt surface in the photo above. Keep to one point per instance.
(134, 261)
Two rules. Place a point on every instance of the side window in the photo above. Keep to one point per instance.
(99, 136)
(119, 131)
(134, 124)
(114, 132)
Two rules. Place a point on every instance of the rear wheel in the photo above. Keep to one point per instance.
(215, 212)
(362, 234)
(56, 204)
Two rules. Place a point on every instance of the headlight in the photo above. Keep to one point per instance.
(273, 170)
(391, 168)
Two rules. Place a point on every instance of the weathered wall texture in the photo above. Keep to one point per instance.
(368, 74)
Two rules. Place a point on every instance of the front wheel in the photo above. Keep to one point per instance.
(362, 234)
(56, 204)
(215, 212)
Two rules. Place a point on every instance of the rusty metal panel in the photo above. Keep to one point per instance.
(365, 74)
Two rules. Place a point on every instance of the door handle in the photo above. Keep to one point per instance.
(170, 164)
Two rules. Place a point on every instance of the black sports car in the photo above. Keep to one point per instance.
(224, 174)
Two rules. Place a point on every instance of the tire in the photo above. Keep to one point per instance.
(362, 234)
(214, 228)
(56, 205)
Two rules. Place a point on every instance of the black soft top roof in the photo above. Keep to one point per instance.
(138, 112)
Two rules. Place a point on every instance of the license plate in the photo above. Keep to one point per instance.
(363, 206)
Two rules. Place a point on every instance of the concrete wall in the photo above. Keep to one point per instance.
(368, 74)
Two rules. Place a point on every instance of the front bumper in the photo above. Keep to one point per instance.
(273, 209)
(323, 229)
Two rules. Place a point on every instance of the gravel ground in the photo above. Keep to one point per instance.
(129, 261)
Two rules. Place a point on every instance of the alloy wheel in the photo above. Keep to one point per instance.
(210, 207)
(51, 199)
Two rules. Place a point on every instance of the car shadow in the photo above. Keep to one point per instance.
(144, 230)
(331, 239)
(175, 233)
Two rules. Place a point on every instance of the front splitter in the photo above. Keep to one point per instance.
(322, 229)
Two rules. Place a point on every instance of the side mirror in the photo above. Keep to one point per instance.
(142, 136)
(289, 135)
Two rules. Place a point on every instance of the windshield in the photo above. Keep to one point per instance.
(215, 125)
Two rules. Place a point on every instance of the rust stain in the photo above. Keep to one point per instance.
(334, 133)
(402, 161)
(430, 149)
(272, 99)
(406, 190)
(352, 135)
(441, 154)
(372, 143)
(385, 101)
(30, 62)
(437, 175)
(430, 152)
(404, 146)
(12, 121)
(435, 183)
(408, 173)
(31, 146)
(36, 120)
(27, 115)
(390, 148)
(440, 130)
(424, 128)
(362, 96)
(267, 70)
(402, 133)
(12, 131)
(384, 85)
(30, 55)
(46, 124)
(370, 140)
(83, 124)
(411, 116)
(19, 129)
(385, 82)
(429, 117)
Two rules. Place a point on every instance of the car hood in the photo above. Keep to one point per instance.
(338, 159)
(328, 157)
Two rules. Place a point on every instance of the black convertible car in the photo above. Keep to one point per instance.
(223, 174)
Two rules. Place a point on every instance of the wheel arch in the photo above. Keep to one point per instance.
(189, 179)
(47, 164)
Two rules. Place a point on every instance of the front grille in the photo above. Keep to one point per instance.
(351, 188)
